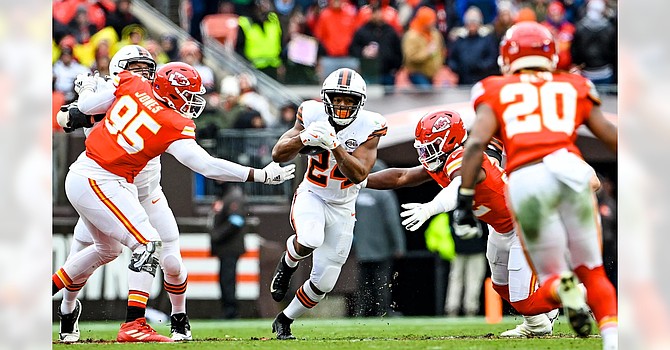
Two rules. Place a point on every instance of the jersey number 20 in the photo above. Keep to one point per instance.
(522, 117)
(125, 120)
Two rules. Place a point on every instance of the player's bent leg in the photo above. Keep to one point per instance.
(142, 270)
(582, 221)
(287, 265)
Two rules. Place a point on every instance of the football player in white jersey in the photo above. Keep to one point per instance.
(323, 210)
(96, 95)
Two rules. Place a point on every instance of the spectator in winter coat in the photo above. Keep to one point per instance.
(474, 54)
(377, 45)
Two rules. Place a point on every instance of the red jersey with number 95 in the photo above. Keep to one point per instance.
(136, 129)
(489, 202)
(538, 112)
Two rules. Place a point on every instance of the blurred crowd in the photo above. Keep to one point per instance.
(402, 44)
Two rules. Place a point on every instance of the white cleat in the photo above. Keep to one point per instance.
(532, 326)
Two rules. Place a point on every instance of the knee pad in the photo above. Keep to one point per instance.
(170, 259)
(326, 281)
(107, 255)
(172, 265)
(311, 237)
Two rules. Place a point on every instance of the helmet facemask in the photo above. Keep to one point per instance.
(338, 113)
(148, 71)
(430, 154)
(194, 103)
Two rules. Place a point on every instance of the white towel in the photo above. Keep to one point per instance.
(570, 169)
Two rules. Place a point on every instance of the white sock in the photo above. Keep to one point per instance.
(290, 251)
(296, 308)
(68, 303)
(610, 335)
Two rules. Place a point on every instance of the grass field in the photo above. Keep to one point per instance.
(340, 334)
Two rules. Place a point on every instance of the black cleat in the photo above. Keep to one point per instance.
(282, 326)
(69, 324)
(281, 280)
(574, 304)
(180, 328)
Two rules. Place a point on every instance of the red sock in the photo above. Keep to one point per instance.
(541, 301)
(503, 291)
(600, 295)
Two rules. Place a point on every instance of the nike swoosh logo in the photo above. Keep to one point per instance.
(153, 201)
(272, 284)
(314, 136)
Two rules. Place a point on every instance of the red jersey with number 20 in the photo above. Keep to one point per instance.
(490, 205)
(136, 129)
(538, 112)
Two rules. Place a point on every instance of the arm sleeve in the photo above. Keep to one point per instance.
(189, 153)
(96, 102)
(445, 200)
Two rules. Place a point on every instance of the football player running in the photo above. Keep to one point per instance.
(536, 112)
(146, 119)
(439, 139)
(323, 209)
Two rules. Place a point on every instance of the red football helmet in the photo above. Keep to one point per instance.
(437, 135)
(527, 45)
(180, 86)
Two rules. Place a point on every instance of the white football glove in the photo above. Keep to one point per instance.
(86, 82)
(311, 135)
(274, 174)
(328, 137)
(417, 214)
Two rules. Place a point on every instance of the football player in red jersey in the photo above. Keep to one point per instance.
(96, 96)
(146, 119)
(439, 138)
(536, 112)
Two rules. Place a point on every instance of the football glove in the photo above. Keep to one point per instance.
(85, 82)
(70, 118)
(311, 135)
(328, 137)
(466, 226)
(417, 214)
(274, 174)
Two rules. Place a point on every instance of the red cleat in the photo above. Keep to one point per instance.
(140, 331)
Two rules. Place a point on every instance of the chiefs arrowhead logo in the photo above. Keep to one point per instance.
(178, 79)
(441, 124)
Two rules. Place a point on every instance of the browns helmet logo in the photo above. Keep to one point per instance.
(441, 124)
(178, 79)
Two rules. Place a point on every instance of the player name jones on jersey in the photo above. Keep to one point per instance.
(148, 101)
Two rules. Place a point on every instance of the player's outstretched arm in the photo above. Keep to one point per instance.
(602, 128)
(289, 144)
(189, 153)
(392, 178)
(418, 213)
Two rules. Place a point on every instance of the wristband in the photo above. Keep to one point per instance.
(259, 175)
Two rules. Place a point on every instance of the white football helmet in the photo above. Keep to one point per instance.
(343, 81)
(130, 54)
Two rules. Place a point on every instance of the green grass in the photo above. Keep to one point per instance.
(432, 333)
